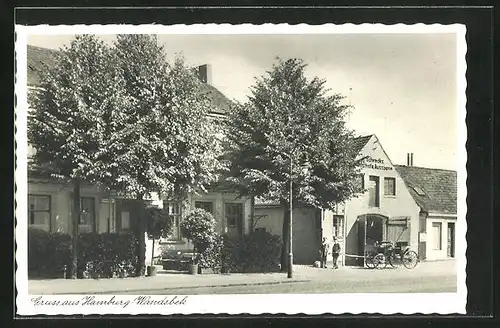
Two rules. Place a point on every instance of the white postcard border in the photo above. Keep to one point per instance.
(442, 303)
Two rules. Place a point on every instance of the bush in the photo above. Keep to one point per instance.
(107, 255)
(99, 255)
(257, 252)
(48, 253)
(212, 255)
(199, 227)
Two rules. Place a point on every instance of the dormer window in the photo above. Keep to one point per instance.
(419, 191)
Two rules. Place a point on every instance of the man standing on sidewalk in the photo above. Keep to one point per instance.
(335, 252)
(324, 252)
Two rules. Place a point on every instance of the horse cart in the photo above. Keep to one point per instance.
(385, 253)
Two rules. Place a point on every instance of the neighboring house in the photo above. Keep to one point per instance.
(50, 201)
(435, 192)
(386, 211)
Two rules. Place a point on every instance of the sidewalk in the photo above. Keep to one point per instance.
(174, 283)
(170, 282)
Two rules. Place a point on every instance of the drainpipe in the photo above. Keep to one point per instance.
(252, 213)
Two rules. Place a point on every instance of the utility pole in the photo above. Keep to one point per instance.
(290, 251)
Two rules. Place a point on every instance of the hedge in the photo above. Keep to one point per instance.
(99, 255)
(258, 251)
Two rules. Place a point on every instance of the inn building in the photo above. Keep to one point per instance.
(390, 209)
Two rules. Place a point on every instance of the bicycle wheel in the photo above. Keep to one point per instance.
(410, 259)
(380, 261)
(369, 262)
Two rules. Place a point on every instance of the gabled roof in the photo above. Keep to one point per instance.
(39, 59)
(221, 102)
(434, 190)
(360, 142)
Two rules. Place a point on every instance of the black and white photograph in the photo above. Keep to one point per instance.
(240, 169)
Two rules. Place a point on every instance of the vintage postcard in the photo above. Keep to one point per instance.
(233, 169)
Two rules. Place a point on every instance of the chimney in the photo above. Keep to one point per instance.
(411, 159)
(205, 73)
(408, 159)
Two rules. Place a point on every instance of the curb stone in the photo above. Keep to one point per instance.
(193, 287)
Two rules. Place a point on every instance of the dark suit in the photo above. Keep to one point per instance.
(324, 254)
(335, 254)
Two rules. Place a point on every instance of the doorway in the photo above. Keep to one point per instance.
(234, 219)
(375, 229)
(371, 229)
(450, 251)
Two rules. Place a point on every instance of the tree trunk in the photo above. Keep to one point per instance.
(75, 223)
(153, 253)
(141, 229)
(286, 240)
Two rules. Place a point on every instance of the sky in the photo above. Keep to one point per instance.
(403, 86)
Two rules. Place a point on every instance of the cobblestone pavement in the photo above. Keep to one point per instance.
(426, 277)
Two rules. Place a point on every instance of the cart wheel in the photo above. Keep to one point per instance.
(410, 259)
(380, 261)
(369, 261)
(392, 261)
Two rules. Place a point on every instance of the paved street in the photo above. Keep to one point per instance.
(425, 278)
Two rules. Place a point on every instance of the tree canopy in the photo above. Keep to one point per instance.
(291, 119)
(122, 116)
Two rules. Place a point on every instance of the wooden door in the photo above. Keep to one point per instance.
(451, 240)
(234, 219)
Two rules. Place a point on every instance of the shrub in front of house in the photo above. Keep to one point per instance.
(48, 253)
(212, 256)
(258, 251)
(99, 255)
(107, 255)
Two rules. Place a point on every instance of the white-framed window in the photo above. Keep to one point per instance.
(390, 186)
(204, 205)
(338, 226)
(173, 209)
(87, 214)
(39, 211)
(437, 235)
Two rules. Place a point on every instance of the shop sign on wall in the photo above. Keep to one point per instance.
(376, 164)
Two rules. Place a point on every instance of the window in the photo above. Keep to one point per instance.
(39, 211)
(374, 191)
(338, 226)
(234, 215)
(207, 206)
(390, 186)
(125, 221)
(87, 213)
(436, 229)
(174, 209)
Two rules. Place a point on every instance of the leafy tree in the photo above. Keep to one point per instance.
(168, 147)
(199, 228)
(121, 116)
(69, 125)
(292, 129)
